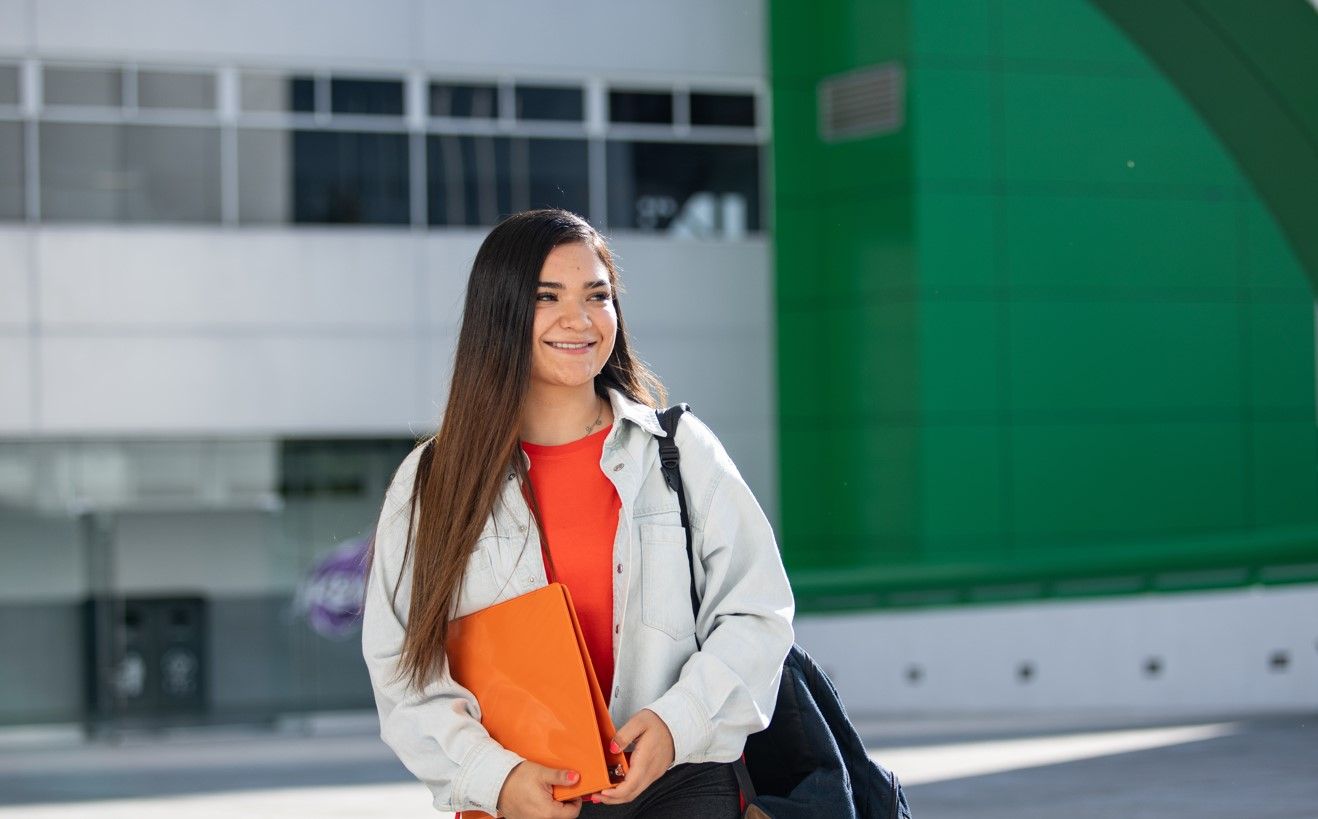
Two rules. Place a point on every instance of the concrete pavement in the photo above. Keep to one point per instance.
(1072, 766)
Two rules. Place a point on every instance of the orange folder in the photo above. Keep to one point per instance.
(526, 662)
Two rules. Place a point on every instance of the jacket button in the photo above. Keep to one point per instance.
(619, 568)
(617, 467)
(616, 629)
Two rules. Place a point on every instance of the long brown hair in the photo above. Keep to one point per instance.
(460, 474)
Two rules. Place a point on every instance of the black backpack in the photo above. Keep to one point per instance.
(810, 761)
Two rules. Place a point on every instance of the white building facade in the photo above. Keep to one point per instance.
(233, 245)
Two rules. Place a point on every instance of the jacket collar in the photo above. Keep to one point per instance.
(623, 407)
(636, 412)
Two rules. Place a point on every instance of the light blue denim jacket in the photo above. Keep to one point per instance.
(710, 699)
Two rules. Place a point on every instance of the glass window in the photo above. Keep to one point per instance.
(468, 179)
(550, 173)
(684, 188)
(476, 180)
(11, 170)
(302, 94)
(266, 92)
(723, 109)
(366, 97)
(278, 92)
(326, 177)
(265, 176)
(83, 86)
(170, 89)
(300, 567)
(468, 101)
(8, 85)
(138, 173)
(641, 106)
(551, 103)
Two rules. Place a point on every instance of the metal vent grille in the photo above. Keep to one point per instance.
(862, 103)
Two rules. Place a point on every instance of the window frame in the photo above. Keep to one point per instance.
(416, 123)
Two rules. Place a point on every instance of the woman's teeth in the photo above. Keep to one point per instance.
(564, 346)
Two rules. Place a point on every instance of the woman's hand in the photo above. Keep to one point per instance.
(651, 757)
(528, 793)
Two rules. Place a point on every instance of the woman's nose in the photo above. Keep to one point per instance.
(576, 315)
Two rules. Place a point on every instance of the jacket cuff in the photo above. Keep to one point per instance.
(481, 777)
(686, 720)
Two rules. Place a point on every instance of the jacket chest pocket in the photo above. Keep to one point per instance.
(478, 589)
(666, 580)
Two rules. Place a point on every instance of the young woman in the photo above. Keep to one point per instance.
(546, 455)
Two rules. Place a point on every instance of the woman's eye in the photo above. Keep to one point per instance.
(547, 297)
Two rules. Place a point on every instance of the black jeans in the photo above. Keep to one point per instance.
(692, 790)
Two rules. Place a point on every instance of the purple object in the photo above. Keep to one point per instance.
(332, 593)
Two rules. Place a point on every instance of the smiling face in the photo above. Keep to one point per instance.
(575, 320)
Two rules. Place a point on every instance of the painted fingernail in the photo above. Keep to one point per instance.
(613, 748)
(595, 799)
(572, 776)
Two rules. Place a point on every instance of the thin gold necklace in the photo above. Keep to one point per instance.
(596, 422)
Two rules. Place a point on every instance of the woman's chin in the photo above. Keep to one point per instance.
(566, 380)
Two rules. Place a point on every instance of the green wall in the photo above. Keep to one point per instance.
(1043, 340)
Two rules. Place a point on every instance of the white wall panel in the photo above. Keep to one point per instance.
(14, 25)
(170, 385)
(149, 328)
(214, 554)
(15, 385)
(689, 37)
(725, 377)
(1215, 650)
(15, 294)
(171, 278)
(445, 263)
(286, 31)
(670, 286)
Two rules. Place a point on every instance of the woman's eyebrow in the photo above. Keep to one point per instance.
(588, 286)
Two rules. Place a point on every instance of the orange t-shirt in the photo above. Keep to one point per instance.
(579, 507)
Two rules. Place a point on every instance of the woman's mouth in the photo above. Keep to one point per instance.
(572, 347)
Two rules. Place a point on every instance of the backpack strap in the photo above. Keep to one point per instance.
(669, 459)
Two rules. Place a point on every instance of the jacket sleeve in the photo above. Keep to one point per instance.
(435, 732)
(728, 689)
